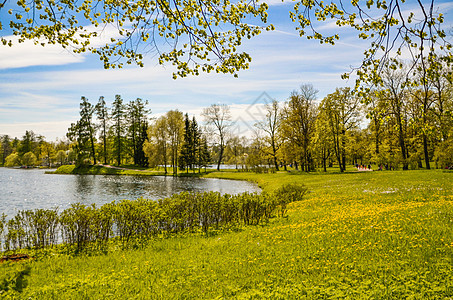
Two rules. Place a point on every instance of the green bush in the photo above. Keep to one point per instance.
(288, 193)
(85, 226)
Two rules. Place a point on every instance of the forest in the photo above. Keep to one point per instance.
(405, 122)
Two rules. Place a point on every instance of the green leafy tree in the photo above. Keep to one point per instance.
(29, 143)
(48, 151)
(341, 110)
(29, 159)
(60, 157)
(299, 122)
(322, 140)
(202, 36)
(12, 160)
(175, 129)
(156, 146)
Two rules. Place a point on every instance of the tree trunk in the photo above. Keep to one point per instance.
(425, 150)
(402, 143)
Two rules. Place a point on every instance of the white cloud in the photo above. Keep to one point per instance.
(50, 130)
(30, 53)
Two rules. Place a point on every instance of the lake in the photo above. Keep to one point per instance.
(22, 189)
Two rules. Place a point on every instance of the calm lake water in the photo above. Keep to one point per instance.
(29, 189)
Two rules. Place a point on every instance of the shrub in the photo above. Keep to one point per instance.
(135, 220)
(288, 193)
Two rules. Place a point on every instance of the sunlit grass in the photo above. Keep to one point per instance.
(356, 235)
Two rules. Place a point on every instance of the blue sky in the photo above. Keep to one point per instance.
(41, 87)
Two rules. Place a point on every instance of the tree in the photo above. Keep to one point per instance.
(299, 122)
(60, 157)
(322, 140)
(376, 111)
(118, 114)
(29, 142)
(395, 82)
(86, 122)
(204, 157)
(190, 146)
(155, 147)
(194, 32)
(175, 128)
(271, 125)
(390, 30)
(48, 150)
(6, 147)
(218, 118)
(341, 111)
(235, 150)
(83, 133)
(12, 160)
(137, 126)
(103, 117)
(29, 159)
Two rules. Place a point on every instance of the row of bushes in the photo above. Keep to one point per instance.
(81, 225)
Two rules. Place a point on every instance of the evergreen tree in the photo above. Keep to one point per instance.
(103, 117)
(82, 133)
(87, 127)
(118, 114)
(6, 148)
(137, 126)
(184, 160)
(195, 146)
(204, 157)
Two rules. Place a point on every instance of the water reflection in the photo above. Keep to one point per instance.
(30, 189)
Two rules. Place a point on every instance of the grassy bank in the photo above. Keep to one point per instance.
(101, 170)
(356, 235)
(122, 170)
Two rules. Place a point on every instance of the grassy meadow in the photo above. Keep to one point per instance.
(358, 235)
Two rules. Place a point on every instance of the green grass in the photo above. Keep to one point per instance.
(368, 235)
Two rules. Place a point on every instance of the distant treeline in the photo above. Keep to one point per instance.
(405, 122)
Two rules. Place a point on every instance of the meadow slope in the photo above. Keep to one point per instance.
(356, 236)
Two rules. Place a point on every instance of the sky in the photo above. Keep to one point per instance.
(41, 87)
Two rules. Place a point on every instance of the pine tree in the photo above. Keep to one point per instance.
(204, 156)
(137, 126)
(103, 117)
(118, 114)
(82, 133)
(86, 122)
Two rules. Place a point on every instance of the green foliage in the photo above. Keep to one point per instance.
(29, 159)
(88, 227)
(14, 281)
(202, 36)
(12, 160)
(32, 228)
(288, 193)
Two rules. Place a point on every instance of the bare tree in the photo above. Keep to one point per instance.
(270, 125)
(218, 119)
